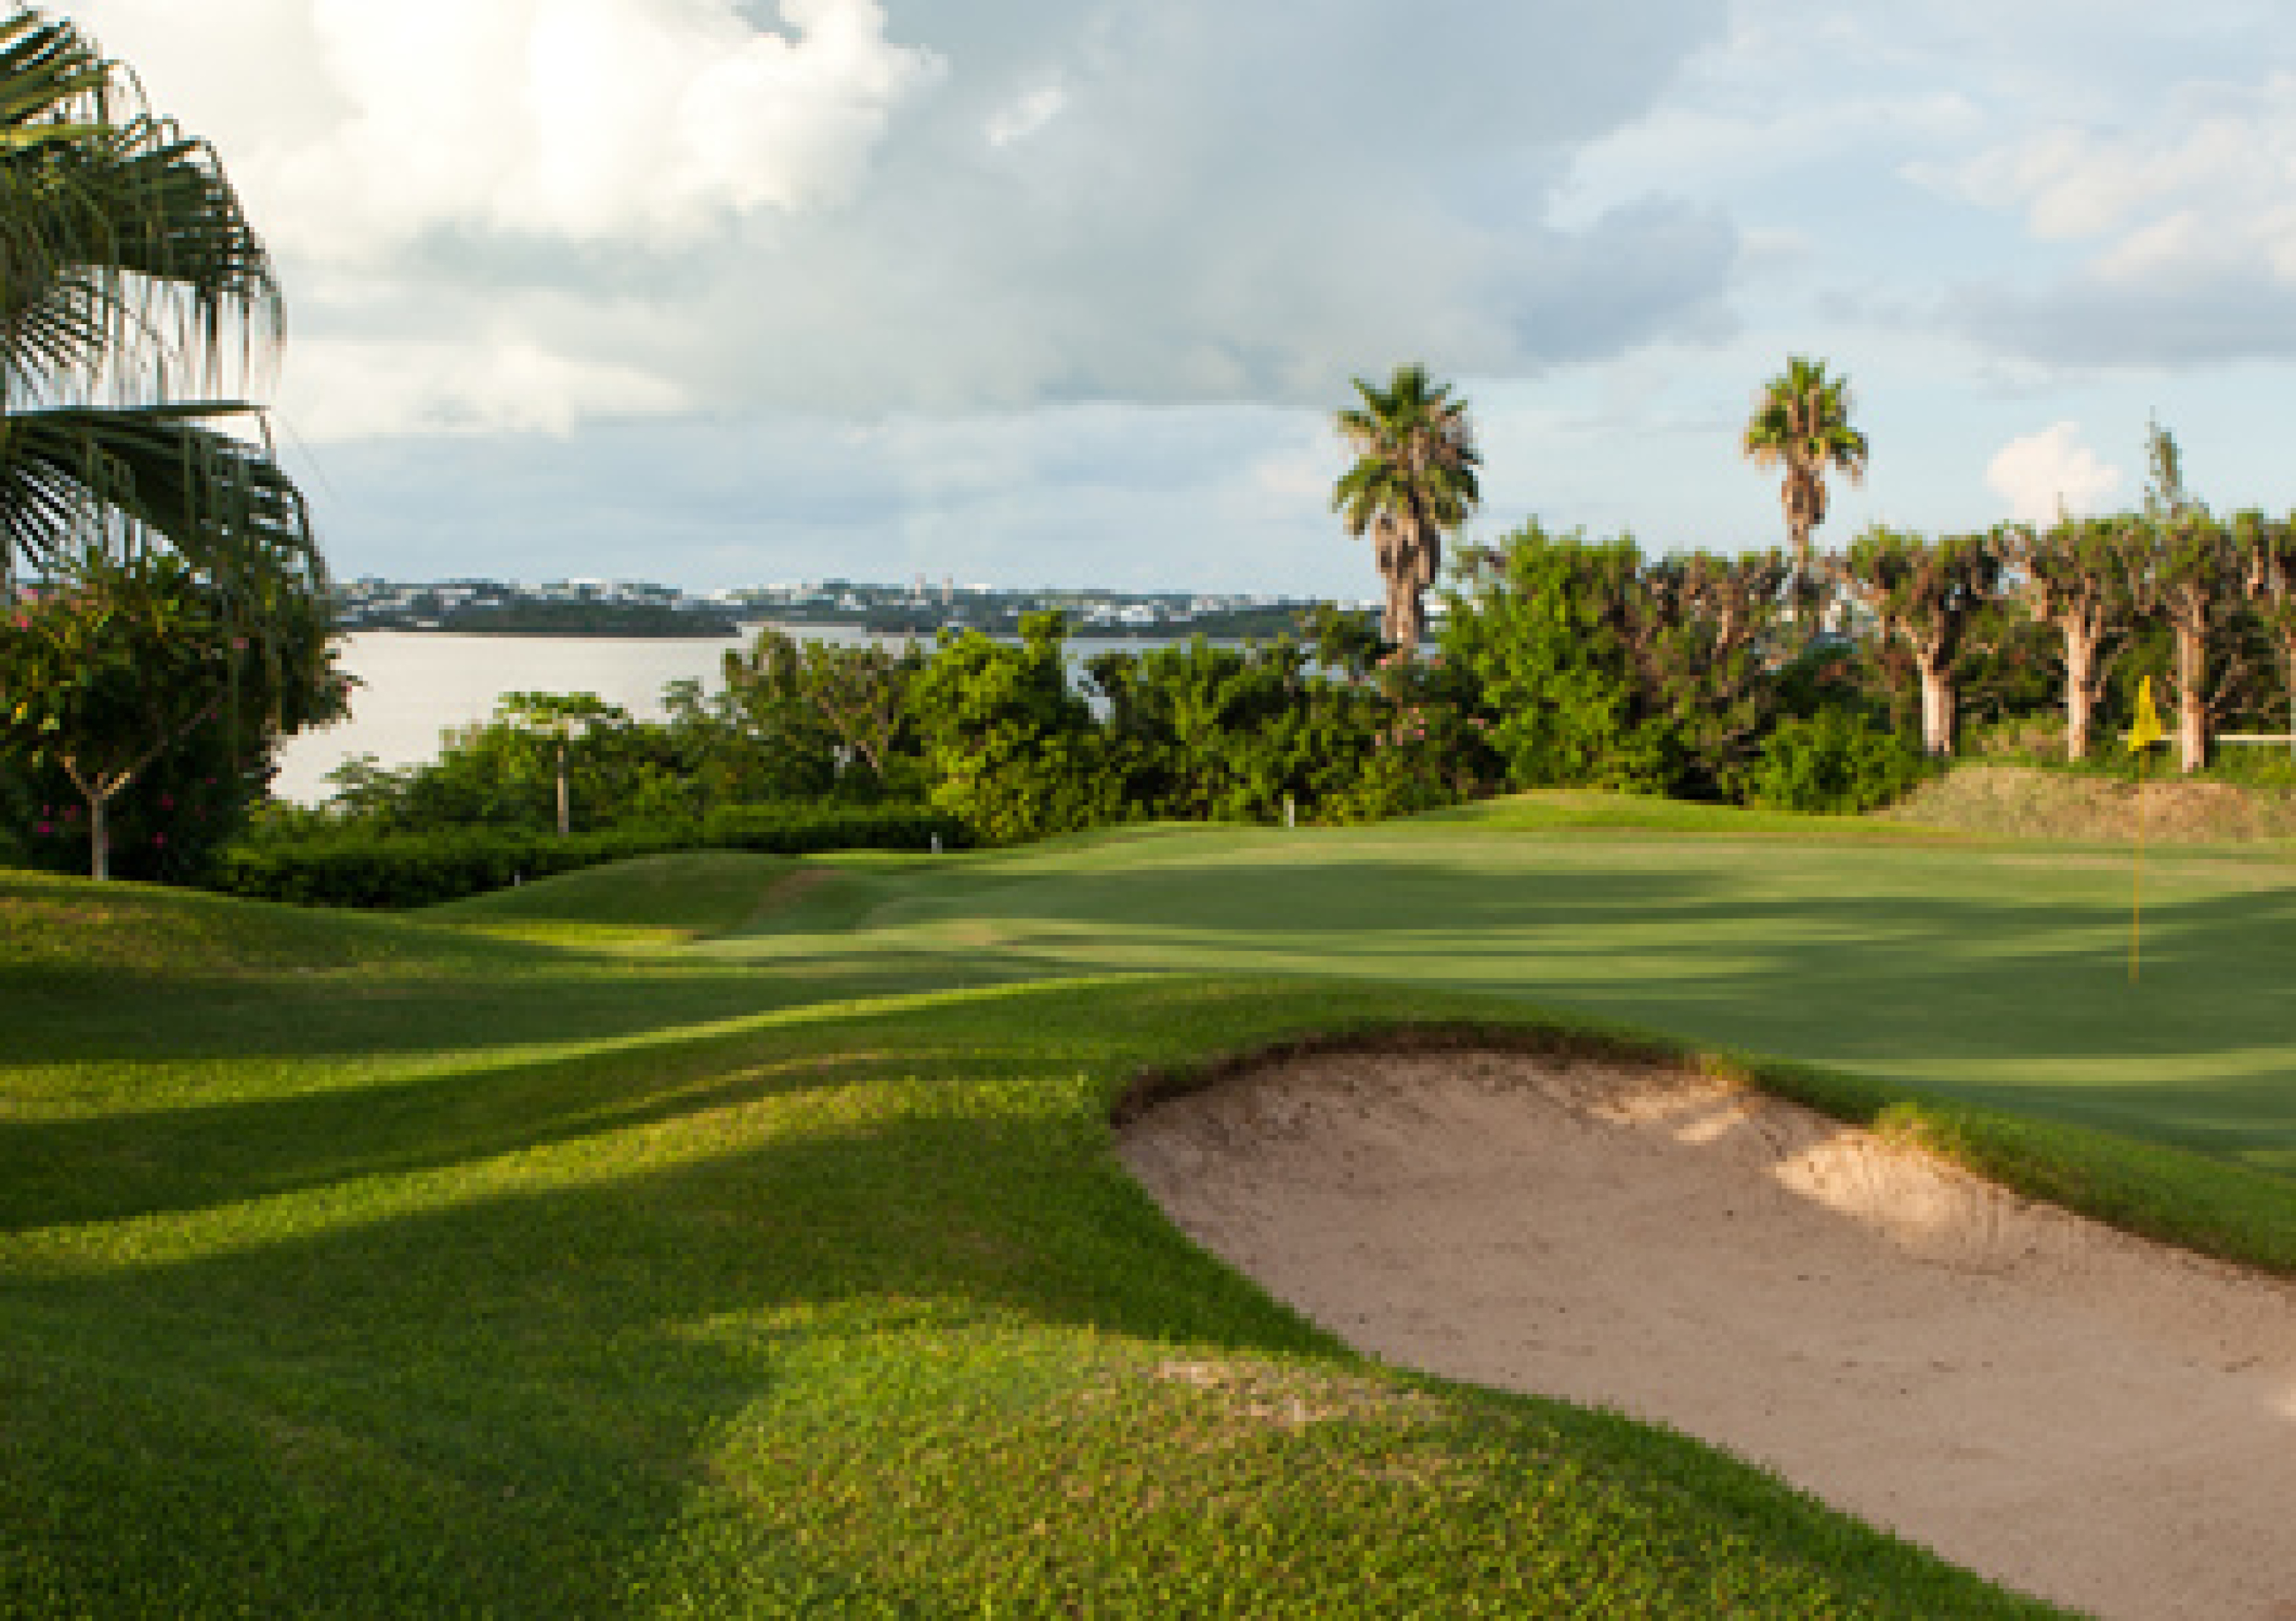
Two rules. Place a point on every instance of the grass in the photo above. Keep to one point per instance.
(680, 1239)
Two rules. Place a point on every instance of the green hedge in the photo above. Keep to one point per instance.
(354, 867)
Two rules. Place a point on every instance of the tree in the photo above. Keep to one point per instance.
(1801, 424)
(105, 671)
(2183, 570)
(857, 696)
(1013, 751)
(2267, 552)
(1925, 594)
(555, 719)
(2074, 577)
(1414, 477)
(131, 288)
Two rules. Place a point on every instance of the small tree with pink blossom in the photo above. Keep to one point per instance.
(106, 670)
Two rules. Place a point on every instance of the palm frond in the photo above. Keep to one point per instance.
(125, 257)
(125, 479)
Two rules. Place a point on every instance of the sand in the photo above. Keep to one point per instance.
(2087, 1417)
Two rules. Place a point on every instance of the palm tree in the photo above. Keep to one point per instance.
(1414, 477)
(1802, 423)
(131, 288)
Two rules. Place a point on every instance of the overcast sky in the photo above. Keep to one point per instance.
(1065, 291)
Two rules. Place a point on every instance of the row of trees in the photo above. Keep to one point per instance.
(1416, 472)
(2215, 590)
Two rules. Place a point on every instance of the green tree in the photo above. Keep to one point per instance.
(850, 703)
(1802, 425)
(132, 288)
(2074, 576)
(2267, 552)
(103, 672)
(555, 720)
(1013, 752)
(1414, 477)
(2186, 571)
(1925, 594)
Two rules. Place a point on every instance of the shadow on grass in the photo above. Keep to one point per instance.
(496, 1389)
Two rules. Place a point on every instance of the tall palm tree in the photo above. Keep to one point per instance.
(132, 290)
(1414, 477)
(1802, 423)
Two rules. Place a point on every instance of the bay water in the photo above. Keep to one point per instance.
(416, 687)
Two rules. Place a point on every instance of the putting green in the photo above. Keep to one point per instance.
(1997, 973)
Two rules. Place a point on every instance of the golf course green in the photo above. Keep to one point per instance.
(731, 1235)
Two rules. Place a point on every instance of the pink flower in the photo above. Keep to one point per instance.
(44, 829)
(158, 839)
(167, 801)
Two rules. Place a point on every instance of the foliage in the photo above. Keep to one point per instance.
(107, 672)
(847, 707)
(1011, 752)
(1344, 642)
(1414, 477)
(1926, 593)
(324, 865)
(1593, 668)
(128, 277)
(1802, 425)
(1833, 763)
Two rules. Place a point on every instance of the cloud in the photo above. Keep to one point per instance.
(2184, 222)
(900, 207)
(2050, 472)
(641, 121)
(1025, 116)
(335, 390)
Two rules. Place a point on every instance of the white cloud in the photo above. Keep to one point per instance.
(2049, 472)
(334, 389)
(2206, 184)
(785, 219)
(1025, 116)
(371, 126)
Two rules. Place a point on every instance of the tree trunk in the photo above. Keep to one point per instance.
(2081, 683)
(1940, 702)
(1404, 561)
(99, 839)
(2192, 697)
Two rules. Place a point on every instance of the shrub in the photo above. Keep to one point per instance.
(1833, 763)
(356, 866)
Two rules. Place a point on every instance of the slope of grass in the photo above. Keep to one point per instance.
(843, 1307)
(357, 1265)
(653, 900)
(2023, 802)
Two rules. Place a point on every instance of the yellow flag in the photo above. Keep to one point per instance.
(2148, 730)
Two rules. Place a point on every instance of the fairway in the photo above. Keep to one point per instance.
(1994, 973)
(728, 1235)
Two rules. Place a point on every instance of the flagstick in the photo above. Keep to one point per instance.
(2136, 906)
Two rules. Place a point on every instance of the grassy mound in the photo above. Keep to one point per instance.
(2022, 802)
(654, 900)
(713, 1247)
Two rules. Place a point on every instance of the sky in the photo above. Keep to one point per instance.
(1066, 292)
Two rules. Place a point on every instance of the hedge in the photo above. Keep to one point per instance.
(356, 867)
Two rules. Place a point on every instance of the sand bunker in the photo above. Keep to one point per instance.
(2104, 1423)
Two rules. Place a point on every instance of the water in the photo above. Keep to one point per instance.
(418, 685)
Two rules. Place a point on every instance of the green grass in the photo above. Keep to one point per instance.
(674, 1239)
